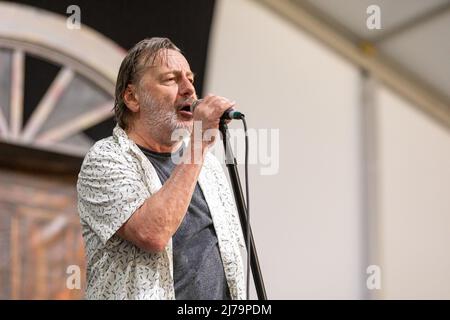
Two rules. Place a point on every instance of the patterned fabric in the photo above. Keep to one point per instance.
(115, 180)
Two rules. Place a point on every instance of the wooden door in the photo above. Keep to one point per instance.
(40, 237)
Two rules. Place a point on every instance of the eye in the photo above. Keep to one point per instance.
(170, 80)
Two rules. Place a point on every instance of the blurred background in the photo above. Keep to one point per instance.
(356, 204)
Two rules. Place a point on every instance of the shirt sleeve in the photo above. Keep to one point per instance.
(110, 189)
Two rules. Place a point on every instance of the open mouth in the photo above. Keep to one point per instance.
(185, 111)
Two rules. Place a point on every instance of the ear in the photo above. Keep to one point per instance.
(131, 98)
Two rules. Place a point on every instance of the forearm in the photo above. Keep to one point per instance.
(164, 211)
(155, 222)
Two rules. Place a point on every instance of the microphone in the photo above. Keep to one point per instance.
(229, 114)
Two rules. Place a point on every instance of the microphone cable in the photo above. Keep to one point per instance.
(247, 197)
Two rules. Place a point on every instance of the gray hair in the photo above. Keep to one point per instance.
(132, 69)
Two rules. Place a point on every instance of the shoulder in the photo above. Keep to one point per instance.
(106, 158)
(104, 151)
(103, 147)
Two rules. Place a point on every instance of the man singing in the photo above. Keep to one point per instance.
(155, 228)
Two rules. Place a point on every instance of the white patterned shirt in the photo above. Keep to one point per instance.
(114, 181)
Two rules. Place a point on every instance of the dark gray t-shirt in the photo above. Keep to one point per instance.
(197, 266)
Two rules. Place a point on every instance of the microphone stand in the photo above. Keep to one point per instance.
(231, 163)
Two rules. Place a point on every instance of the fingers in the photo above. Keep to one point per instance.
(216, 105)
(209, 111)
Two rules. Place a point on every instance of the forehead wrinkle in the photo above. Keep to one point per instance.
(167, 59)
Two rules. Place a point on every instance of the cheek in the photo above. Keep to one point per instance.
(169, 93)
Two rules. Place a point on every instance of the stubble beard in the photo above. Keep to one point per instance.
(162, 121)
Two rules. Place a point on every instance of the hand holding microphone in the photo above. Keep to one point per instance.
(229, 113)
(210, 111)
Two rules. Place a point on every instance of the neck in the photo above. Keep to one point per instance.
(149, 142)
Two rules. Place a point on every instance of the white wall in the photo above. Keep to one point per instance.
(306, 218)
(414, 202)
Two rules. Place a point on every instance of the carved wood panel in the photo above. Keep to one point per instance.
(40, 237)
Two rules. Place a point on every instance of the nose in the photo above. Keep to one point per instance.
(186, 88)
